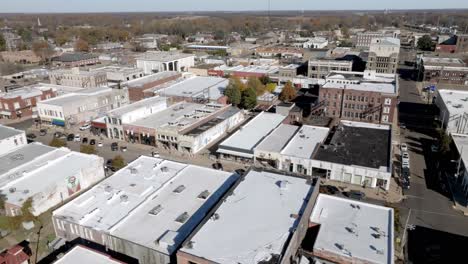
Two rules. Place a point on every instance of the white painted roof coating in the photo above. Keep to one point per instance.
(7, 132)
(305, 141)
(197, 87)
(247, 137)
(353, 225)
(276, 141)
(83, 255)
(455, 101)
(254, 222)
(123, 202)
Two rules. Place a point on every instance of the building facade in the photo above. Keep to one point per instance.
(160, 61)
(383, 55)
(23, 102)
(22, 57)
(11, 139)
(319, 69)
(77, 78)
(443, 70)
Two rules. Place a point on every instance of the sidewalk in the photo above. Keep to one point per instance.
(393, 195)
(5, 121)
(460, 202)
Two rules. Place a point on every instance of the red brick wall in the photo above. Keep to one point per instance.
(136, 93)
(446, 48)
(26, 110)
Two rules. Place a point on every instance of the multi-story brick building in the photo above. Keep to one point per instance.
(22, 102)
(75, 77)
(443, 70)
(357, 96)
(76, 59)
(455, 44)
(383, 55)
(364, 39)
(137, 87)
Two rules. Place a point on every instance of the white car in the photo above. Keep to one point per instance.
(405, 164)
(404, 147)
(77, 138)
(85, 127)
(99, 144)
(405, 157)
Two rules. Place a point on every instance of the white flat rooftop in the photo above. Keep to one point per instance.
(159, 197)
(354, 229)
(7, 132)
(151, 78)
(83, 255)
(76, 96)
(455, 101)
(244, 140)
(305, 141)
(276, 141)
(254, 222)
(388, 88)
(148, 102)
(461, 142)
(197, 87)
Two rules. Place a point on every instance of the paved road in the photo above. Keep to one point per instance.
(428, 203)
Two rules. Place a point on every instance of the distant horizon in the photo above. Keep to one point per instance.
(186, 6)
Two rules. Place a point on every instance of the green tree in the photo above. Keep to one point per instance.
(425, 43)
(25, 34)
(2, 43)
(118, 162)
(3, 199)
(265, 80)
(271, 87)
(88, 149)
(26, 209)
(249, 98)
(57, 143)
(256, 85)
(233, 92)
(288, 93)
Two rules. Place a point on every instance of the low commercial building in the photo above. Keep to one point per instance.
(364, 39)
(47, 175)
(384, 55)
(77, 78)
(118, 74)
(453, 106)
(137, 88)
(319, 69)
(115, 119)
(159, 61)
(145, 210)
(315, 43)
(186, 127)
(245, 72)
(348, 231)
(357, 153)
(81, 106)
(23, 102)
(242, 143)
(443, 70)
(72, 60)
(263, 220)
(280, 51)
(11, 138)
(203, 69)
(360, 96)
(22, 57)
(81, 254)
(196, 89)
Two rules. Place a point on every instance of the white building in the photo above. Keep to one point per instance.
(115, 119)
(117, 74)
(364, 39)
(81, 255)
(264, 220)
(11, 138)
(357, 153)
(242, 143)
(145, 210)
(158, 61)
(315, 43)
(351, 232)
(383, 55)
(77, 78)
(453, 107)
(47, 175)
(81, 106)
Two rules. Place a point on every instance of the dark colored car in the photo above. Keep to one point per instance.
(217, 166)
(43, 132)
(58, 135)
(405, 183)
(92, 142)
(109, 163)
(114, 146)
(241, 172)
(85, 140)
(356, 195)
(31, 136)
(71, 137)
(328, 189)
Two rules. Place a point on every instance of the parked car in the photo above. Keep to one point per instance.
(71, 137)
(92, 142)
(155, 154)
(356, 195)
(99, 144)
(31, 136)
(405, 164)
(405, 183)
(404, 147)
(77, 138)
(217, 166)
(43, 132)
(123, 149)
(58, 135)
(114, 146)
(328, 189)
(405, 173)
(85, 127)
(241, 172)
(109, 162)
(85, 140)
(405, 157)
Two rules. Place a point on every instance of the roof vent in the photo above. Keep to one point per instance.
(203, 195)
(108, 188)
(164, 169)
(12, 190)
(282, 184)
(182, 218)
(26, 191)
(156, 210)
(133, 170)
(179, 189)
(123, 198)
(215, 217)
(189, 245)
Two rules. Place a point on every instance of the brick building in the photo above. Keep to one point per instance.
(75, 77)
(23, 57)
(443, 70)
(22, 102)
(455, 44)
(76, 59)
(137, 87)
(357, 96)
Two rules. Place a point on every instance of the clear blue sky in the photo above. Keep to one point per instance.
(9, 6)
